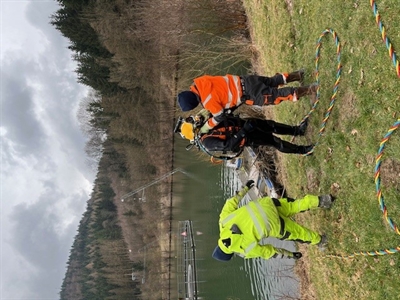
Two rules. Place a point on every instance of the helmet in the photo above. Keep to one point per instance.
(220, 255)
(187, 131)
(185, 128)
(187, 100)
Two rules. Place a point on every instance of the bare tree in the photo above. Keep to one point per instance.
(91, 121)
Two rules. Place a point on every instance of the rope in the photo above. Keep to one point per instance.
(382, 205)
(335, 88)
(378, 176)
(366, 253)
(385, 39)
(216, 161)
(378, 160)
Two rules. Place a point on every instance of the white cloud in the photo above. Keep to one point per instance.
(18, 33)
(45, 182)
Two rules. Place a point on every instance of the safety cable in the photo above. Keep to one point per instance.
(378, 160)
(335, 87)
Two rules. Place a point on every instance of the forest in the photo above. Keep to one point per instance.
(135, 55)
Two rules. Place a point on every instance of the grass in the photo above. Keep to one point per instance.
(285, 34)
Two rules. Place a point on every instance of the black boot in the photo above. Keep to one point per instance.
(301, 129)
(287, 147)
(325, 201)
(295, 76)
(284, 129)
(306, 149)
(323, 243)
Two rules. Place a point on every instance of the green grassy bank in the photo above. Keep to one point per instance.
(367, 104)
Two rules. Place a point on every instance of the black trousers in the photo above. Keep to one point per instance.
(263, 135)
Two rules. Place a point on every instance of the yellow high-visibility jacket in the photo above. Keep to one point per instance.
(256, 220)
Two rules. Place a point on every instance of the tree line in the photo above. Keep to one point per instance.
(134, 55)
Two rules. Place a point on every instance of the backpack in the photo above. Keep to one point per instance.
(213, 143)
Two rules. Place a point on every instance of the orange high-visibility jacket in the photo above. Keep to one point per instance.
(218, 93)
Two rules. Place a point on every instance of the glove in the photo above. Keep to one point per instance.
(205, 114)
(250, 184)
(205, 129)
(297, 255)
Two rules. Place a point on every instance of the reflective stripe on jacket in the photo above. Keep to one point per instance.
(218, 93)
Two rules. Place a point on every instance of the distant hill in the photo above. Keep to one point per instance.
(136, 55)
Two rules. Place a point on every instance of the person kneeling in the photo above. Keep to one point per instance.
(242, 229)
(228, 139)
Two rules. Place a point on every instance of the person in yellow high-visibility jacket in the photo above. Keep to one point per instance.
(242, 229)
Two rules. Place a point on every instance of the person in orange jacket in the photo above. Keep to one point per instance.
(222, 94)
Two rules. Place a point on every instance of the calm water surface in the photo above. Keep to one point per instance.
(199, 197)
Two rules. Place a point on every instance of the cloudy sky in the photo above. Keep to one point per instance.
(45, 181)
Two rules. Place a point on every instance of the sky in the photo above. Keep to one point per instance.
(45, 181)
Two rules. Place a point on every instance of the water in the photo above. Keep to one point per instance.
(199, 197)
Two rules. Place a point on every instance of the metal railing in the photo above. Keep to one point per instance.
(186, 262)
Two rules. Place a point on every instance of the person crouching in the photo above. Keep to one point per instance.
(242, 229)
